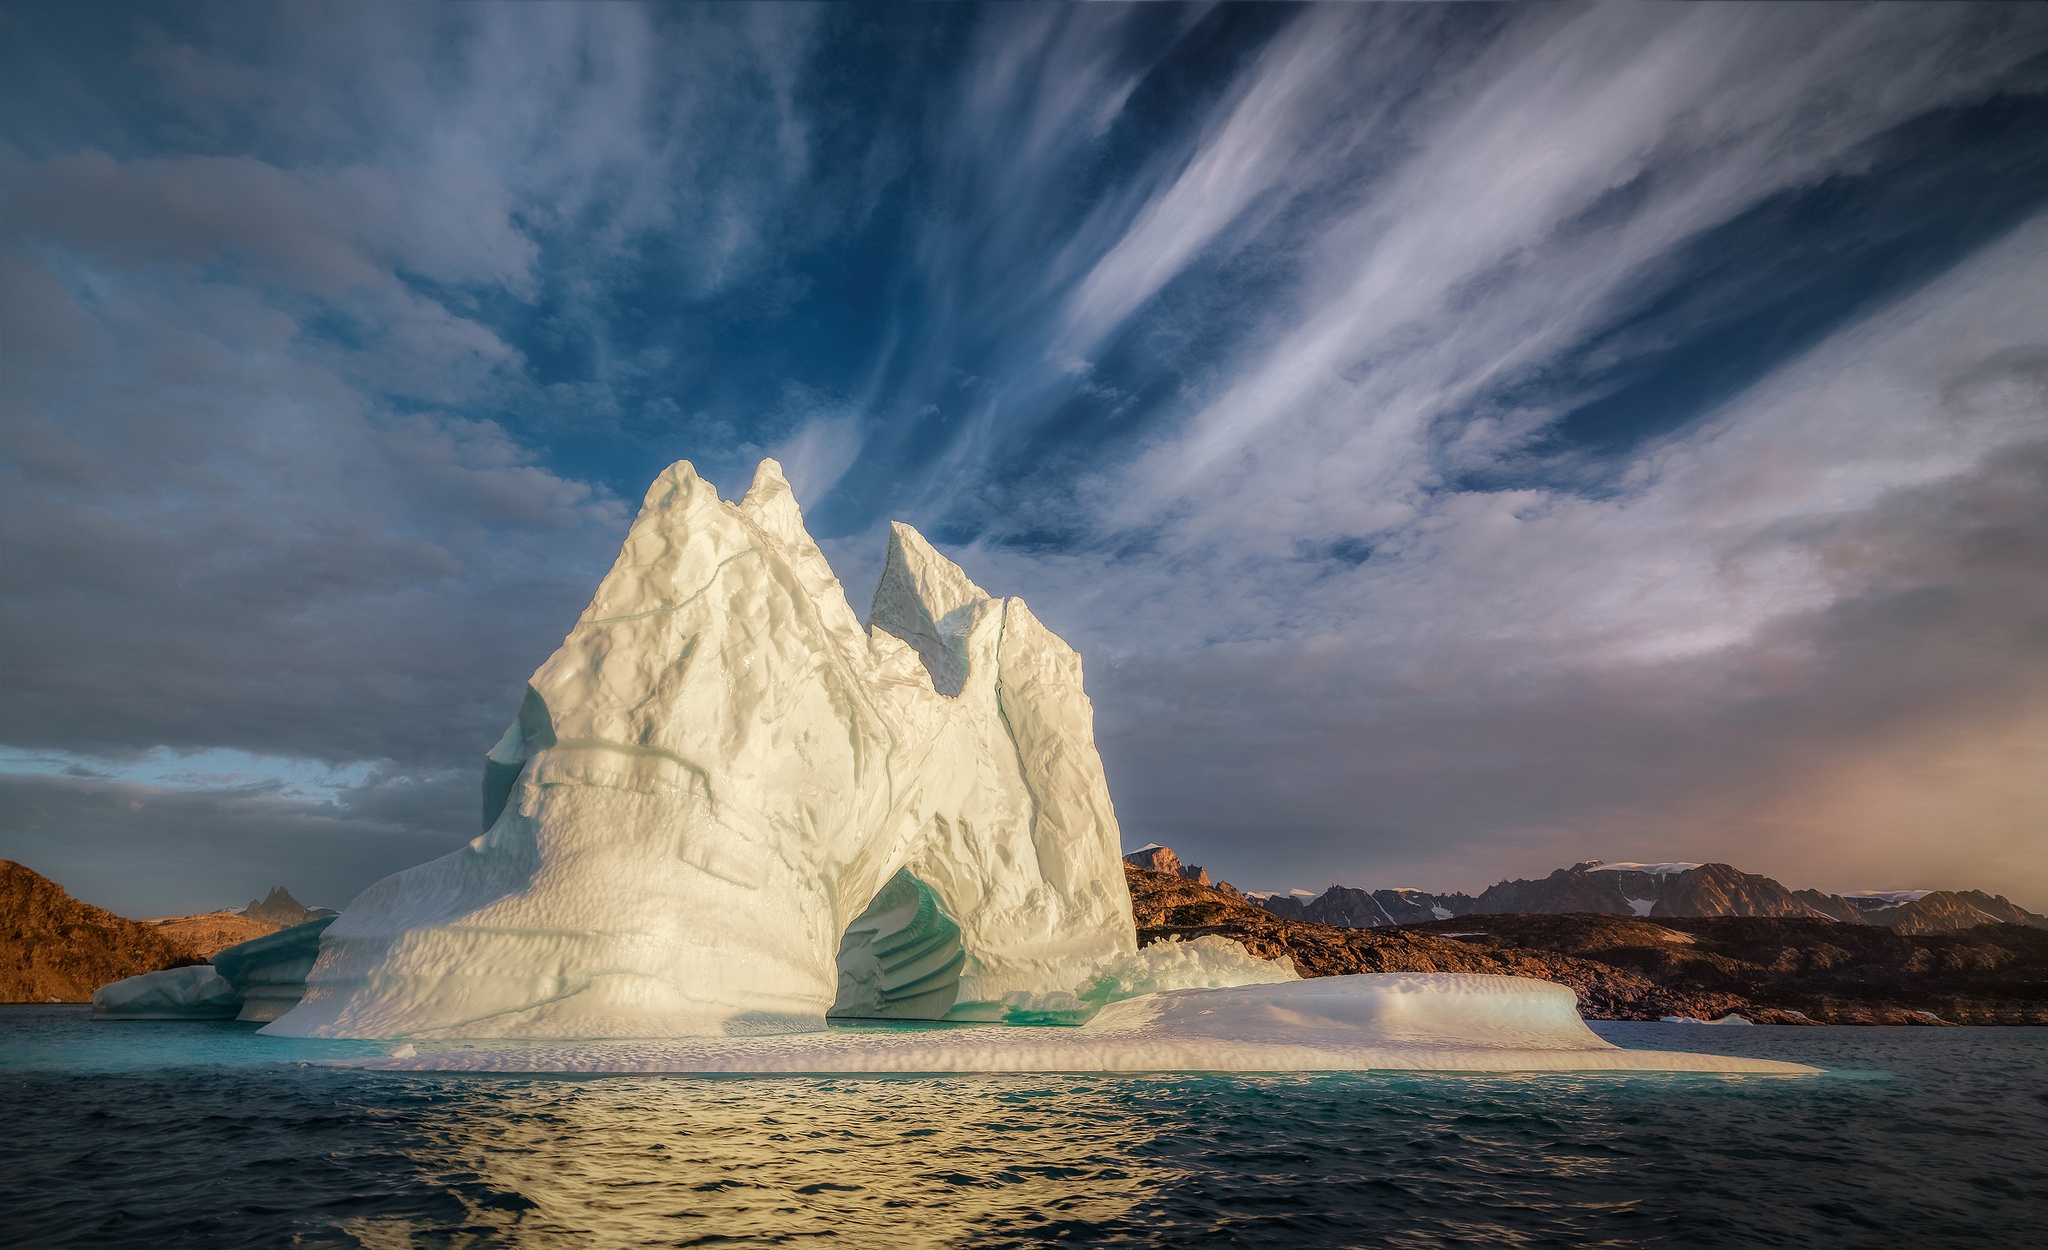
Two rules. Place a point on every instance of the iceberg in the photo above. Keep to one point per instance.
(728, 812)
(728, 807)
(197, 992)
(269, 972)
(258, 980)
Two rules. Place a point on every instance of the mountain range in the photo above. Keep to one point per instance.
(1650, 891)
(54, 948)
(1769, 970)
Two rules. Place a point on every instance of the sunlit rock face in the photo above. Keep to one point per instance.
(714, 777)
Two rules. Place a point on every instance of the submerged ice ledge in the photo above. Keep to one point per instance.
(1387, 1021)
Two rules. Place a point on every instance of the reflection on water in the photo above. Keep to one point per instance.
(666, 1160)
(193, 1135)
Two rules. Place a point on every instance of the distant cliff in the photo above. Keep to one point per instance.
(1945, 911)
(54, 948)
(281, 911)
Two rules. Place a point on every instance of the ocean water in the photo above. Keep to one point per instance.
(206, 1135)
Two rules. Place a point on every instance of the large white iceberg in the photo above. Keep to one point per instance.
(726, 806)
(727, 811)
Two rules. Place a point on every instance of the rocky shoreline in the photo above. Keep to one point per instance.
(1767, 970)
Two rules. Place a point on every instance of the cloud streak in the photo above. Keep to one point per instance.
(1457, 436)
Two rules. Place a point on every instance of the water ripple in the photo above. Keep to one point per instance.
(1933, 1136)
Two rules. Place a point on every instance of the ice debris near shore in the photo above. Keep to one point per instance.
(1412, 1021)
(728, 808)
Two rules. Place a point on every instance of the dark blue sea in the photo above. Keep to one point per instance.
(206, 1135)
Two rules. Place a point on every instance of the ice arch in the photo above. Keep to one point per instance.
(717, 773)
(902, 958)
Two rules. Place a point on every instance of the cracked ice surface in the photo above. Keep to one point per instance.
(1424, 1022)
(718, 772)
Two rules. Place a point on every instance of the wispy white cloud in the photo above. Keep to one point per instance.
(1469, 266)
(1343, 708)
(1208, 319)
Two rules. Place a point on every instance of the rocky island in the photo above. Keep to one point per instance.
(1767, 969)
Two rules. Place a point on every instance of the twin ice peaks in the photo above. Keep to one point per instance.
(727, 807)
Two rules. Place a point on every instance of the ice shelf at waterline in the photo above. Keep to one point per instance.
(726, 807)
(1419, 1022)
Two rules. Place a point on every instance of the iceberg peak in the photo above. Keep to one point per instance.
(929, 602)
(725, 807)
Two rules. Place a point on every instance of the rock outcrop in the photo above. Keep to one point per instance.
(708, 786)
(1153, 857)
(54, 948)
(210, 932)
(280, 910)
(1950, 911)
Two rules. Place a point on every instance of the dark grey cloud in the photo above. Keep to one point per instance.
(152, 851)
(1893, 735)
(1246, 342)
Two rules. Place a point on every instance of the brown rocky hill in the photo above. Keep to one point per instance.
(54, 948)
(1771, 970)
(1946, 911)
(209, 934)
(1835, 973)
(1168, 906)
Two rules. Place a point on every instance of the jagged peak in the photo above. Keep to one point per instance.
(925, 599)
(771, 504)
(940, 586)
(769, 497)
(675, 483)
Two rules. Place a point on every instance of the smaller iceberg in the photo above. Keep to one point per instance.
(270, 971)
(199, 992)
(257, 980)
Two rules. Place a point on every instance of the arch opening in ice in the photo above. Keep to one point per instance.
(900, 959)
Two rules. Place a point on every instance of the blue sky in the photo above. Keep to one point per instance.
(1461, 440)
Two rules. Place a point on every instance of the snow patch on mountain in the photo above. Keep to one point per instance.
(1655, 870)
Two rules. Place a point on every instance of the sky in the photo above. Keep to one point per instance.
(1460, 440)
